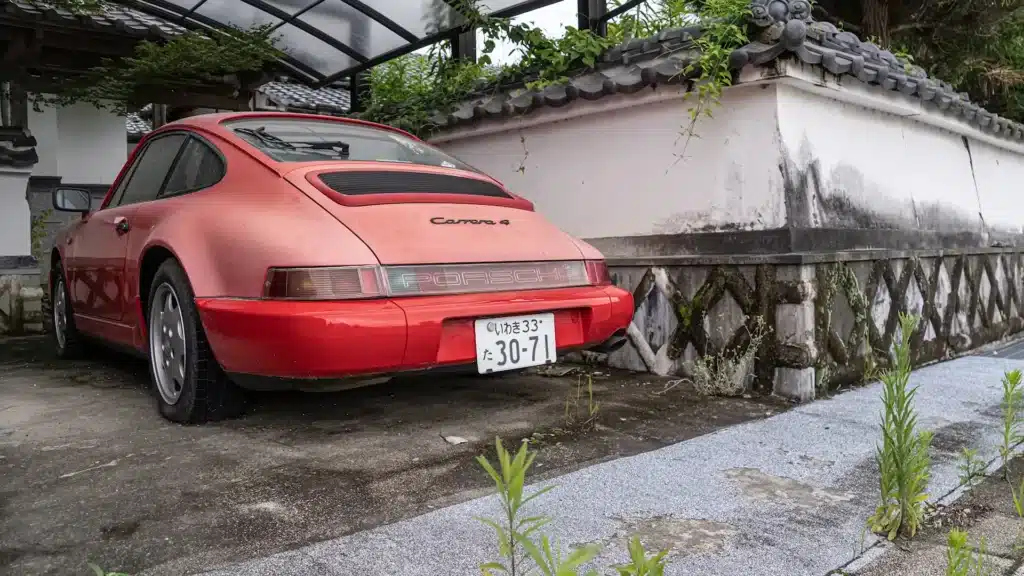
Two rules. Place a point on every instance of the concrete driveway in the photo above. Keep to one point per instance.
(89, 472)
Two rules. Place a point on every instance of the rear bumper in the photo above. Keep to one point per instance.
(311, 340)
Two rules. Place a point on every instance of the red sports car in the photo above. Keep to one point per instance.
(267, 250)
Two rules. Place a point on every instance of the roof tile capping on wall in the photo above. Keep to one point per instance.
(17, 148)
(782, 28)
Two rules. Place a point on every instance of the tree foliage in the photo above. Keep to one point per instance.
(192, 60)
(975, 45)
(408, 91)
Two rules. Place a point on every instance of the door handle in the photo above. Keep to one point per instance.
(121, 225)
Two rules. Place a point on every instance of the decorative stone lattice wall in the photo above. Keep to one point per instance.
(20, 302)
(829, 317)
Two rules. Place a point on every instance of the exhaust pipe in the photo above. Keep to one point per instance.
(613, 343)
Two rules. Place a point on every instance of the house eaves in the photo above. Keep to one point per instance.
(112, 18)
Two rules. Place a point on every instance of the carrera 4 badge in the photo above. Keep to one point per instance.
(443, 220)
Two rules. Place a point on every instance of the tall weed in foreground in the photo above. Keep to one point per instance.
(903, 462)
(961, 560)
(1012, 399)
(523, 548)
(101, 572)
(972, 468)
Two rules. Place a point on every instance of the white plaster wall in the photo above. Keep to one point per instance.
(1000, 175)
(616, 171)
(885, 158)
(80, 143)
(15, 217)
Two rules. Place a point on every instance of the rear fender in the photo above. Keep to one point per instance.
(227, 237)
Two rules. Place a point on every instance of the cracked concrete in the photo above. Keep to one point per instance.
(89, 471)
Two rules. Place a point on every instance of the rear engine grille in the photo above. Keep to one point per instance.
(386, 182)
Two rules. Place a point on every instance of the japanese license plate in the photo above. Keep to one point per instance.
(514, 342)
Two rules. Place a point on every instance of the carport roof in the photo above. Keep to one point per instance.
(326, 40)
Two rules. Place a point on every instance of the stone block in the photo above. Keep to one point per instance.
(794, 383)
(20, 302)
(794, 324)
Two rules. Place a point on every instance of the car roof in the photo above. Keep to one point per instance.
(214, 121)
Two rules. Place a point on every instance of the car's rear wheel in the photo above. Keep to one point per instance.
(67, 341)
(190, 386)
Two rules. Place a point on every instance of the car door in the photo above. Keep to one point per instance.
(98, 256)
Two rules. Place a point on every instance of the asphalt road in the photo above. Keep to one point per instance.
(88, 471)
(787, 495)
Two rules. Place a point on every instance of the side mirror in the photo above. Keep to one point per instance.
(72, 200)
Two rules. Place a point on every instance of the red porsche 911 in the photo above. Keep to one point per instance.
(254, 251)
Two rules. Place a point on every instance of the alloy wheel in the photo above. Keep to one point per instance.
(60, 314)
(167, 343)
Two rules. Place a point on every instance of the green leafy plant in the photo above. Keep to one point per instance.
(38, 232)
(903, 460)
(101, 572)
(649, 18)
(1018, 507)
(972, 468)
(580, 413)
(1011, 404)
(640, 564)
(523, 548)
(726, 373)
(182, 63)
(509, 480)
(409, 91)
(723, 29)
(961, 560)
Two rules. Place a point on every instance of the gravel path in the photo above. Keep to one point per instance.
(787, 495)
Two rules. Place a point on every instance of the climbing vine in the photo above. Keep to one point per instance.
(409, 91)
(724, 26)
(184, 62)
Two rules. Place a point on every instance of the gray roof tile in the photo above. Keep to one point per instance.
(17, 148)
(114, 18)
(332, 101)
(136, 125)
(785, 30)
(295, 95)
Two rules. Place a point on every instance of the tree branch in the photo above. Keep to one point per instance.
(823, 14)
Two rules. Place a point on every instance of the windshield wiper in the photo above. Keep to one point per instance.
(337, 146)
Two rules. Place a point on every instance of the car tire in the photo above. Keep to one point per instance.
(189, 385)
(67, 341)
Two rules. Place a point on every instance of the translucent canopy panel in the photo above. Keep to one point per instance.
(326, 40)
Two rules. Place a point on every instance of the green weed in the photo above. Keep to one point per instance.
(523, 548)
(101, 572)
(903, 460)
(1012, 395)
(640, 563)
(972, 468)
(581, 413)
(961, 560)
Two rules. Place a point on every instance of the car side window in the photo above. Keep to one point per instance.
(150, 171)
(198, 167)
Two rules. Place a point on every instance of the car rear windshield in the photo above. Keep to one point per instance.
(304, 140)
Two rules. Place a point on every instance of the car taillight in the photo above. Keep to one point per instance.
(342, 283)
(597, 273)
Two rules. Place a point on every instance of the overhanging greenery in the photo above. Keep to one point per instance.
(191, 62)
(976, 45)
(408, 91)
